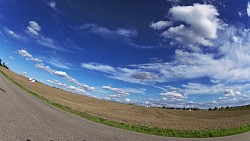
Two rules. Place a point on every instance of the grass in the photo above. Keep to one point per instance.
(140, 128)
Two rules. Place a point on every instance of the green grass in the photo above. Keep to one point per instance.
(140, 128)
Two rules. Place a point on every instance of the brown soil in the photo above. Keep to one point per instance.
(131, 114)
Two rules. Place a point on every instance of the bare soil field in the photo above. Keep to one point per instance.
(137, 115)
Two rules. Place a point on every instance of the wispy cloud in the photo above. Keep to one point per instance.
(160, 24)
(14, 35)
(98, 67)
(248, 9)
(118, 92)
(28, 56)
(68, 88)
(52, 4)
(63, 75)
(11, 58)
(124, 74)
(56, 60)
(34, 31)
(126, 34)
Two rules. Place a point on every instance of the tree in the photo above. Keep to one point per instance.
(215, 108)
(0, 62)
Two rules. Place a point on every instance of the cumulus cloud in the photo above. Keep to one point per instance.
(201, 24)
(230, 93)
(28, 56)
(160, 25)
(248, 9)
(33, 28)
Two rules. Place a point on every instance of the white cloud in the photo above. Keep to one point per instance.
(128, 100)
(56, 82)
(123, 33)
(175, 1)
(58, 62)
(230, 93)
(69, 88)
(98, 67)
(201, 24)
(12, 33)
(34, 25)
(64, 75)
(240, 14)
(184, 35)
(123, 74)
(28, 56)
(116, 90)
(118, 93)
(233, 65)
(248, 9)
(52, 4)
(33, 28)
(11, 58)
(172, 96)
(108, 33)
(161, 25)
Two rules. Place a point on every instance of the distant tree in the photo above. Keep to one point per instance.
(196, 108)
(4, 65)
(215, 108)
(227, 107)
(0, 62)
(209, 109)
(163, 107)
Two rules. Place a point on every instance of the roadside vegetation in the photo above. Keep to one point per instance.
(3, 64)
(139, 128)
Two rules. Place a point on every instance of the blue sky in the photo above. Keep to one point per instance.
(153, 53)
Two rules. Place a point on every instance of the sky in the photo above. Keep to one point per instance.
(172, 53)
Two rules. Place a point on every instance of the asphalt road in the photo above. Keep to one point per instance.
(24, 117)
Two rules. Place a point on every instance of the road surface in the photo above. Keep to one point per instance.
(24, 117)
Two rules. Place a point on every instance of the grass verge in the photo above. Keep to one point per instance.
(140, 128)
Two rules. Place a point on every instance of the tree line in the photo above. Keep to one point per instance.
(3, 64)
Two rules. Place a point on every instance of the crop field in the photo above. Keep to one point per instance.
(137, 115)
